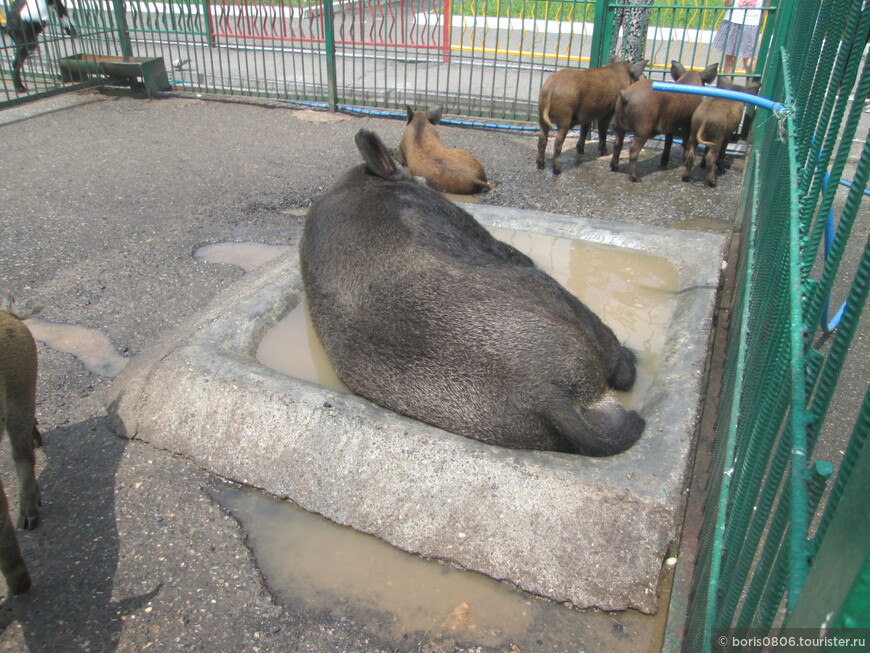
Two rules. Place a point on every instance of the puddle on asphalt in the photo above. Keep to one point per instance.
(410, 601)
(90, 346)
(95, 350)
(631, 291)
(247, 255)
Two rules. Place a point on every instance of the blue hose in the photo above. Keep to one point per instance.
(445, 121)
(827, 326)
(728, 94)
(394, 114)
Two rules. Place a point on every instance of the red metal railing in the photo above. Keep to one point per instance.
(407, 24)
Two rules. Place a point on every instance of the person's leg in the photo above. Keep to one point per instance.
(635, 32)
(618, 19)
(723, 42)
(747, 47)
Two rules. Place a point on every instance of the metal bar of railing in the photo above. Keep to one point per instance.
(329, 33)
(121, 25)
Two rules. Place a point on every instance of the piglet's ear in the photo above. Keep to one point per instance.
(677, 70)
(377, 157)
(635, 70)
(709, 73)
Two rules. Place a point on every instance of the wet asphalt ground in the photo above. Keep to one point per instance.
(104, 200)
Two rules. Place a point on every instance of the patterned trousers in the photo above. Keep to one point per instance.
(634, 21)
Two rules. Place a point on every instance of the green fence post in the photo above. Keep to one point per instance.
(602, 34)
(123, 31)
(329, 38)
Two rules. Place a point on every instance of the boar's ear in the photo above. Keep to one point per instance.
(435, 115)
(753, 86)
(376, 156)
(709, 73)
(410, 113)
(635, 70)
(677, 70)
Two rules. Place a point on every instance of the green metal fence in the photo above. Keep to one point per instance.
(477, 58)
(785, 417)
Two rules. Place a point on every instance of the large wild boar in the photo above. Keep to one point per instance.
(647, 113)
(422, 311)
(713, 122)
(571, 97)
(451, 170)
(18, 419)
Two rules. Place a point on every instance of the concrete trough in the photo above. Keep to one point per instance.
(592, 532)
(80, 67)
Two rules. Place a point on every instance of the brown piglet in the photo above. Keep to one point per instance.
(647, 113)
(571, 97)
(713, 122)
(450, 170)
(18, 419)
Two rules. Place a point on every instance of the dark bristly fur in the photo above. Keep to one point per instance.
(573, 97)
(422, 311)
(646, 113)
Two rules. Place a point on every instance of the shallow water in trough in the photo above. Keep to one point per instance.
(404, 598)
(631, 291)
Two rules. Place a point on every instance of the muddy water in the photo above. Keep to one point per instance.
(633, 293)
(90, 346)
(409, 601)
(292, 348)
(246, 255)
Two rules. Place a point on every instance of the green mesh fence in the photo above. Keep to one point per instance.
(785, 414)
